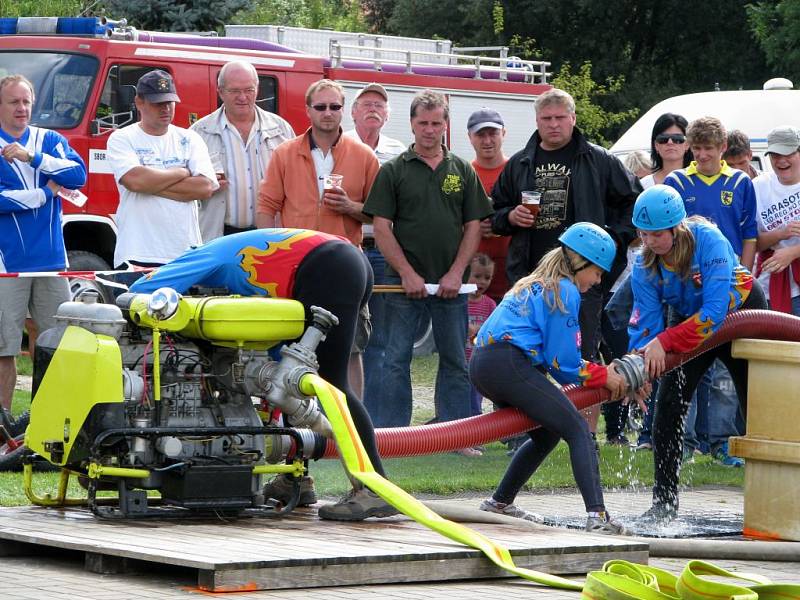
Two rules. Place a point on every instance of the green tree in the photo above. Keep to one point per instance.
(467, 22)
(594, 121)
(377, 14)
(775, 26)
(172, 15)
(342, 15)
(42, 8)
(661, 47)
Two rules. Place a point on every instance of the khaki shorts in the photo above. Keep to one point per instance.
(363, 331)
(39, 295)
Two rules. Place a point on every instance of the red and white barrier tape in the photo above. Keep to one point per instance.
(99, 276)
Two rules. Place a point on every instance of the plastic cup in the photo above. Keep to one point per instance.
(332, 181)
(531, 200)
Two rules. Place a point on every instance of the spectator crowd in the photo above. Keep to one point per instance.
(429, 222)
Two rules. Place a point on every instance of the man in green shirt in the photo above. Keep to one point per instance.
(426, 205)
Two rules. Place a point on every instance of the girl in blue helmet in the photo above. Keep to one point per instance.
(690, 266)
(535, 331)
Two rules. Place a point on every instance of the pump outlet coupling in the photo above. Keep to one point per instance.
(631, 367)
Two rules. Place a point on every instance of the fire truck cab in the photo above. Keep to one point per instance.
(85, 82)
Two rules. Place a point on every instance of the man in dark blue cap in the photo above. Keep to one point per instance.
(160, 170)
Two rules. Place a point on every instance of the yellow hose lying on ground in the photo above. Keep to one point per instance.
(622, 580)
(360, 467)
(618, 580)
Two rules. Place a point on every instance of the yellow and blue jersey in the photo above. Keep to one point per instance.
(717, 284)
(262, 262)
(549, 337)
(727, 199)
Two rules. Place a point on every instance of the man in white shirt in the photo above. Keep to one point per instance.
(778, 217)
(241, 138)
(161, 170)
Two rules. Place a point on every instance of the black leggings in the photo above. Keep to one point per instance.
(336, 276)
(504, 374)
(674, 395)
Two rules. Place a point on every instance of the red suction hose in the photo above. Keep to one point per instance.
(508, 422)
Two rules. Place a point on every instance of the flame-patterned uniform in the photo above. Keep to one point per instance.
(550, 337)
(262, 262)
(717, 284)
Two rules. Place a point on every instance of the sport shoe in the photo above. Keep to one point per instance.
(644, 446)
(659, 513)
(281, 489)
(357, 505)
(605, 524)
(722, 457)
(510, 510)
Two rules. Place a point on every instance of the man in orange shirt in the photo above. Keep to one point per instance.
(294, 182)
(487, 131)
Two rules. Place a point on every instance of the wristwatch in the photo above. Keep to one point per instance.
(30, 156)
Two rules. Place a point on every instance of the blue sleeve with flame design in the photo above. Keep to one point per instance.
(723, 290)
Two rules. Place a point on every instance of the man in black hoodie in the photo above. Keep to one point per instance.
(578, 181)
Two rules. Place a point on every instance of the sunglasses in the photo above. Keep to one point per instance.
(324, 107)
(675, 138)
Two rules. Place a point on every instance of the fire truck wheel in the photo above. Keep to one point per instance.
(81, 260)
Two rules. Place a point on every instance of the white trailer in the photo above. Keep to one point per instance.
(755, 112)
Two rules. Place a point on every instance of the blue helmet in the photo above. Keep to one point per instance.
(658, 207)
(592, 242)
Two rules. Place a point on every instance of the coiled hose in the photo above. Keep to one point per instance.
(508, 422)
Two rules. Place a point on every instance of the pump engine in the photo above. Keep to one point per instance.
(188, 396)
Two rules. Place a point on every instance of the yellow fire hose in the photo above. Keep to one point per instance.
(619, 579)
(360, 467)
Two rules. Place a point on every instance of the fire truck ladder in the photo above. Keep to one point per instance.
(460, 62)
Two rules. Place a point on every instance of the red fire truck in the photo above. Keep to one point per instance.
(85, 70)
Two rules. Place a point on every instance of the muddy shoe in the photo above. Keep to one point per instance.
(605, 524)
(357, 505)
(281, 489)
(510, 510)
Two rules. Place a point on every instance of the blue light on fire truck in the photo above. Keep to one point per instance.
(85, 26)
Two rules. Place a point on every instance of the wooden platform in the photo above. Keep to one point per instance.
(300, 551)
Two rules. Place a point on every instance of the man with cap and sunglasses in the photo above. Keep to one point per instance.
(370, 112)
(160, 170)
(778, 217)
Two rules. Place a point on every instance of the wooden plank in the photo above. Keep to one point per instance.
(444, 569)
(302, 551)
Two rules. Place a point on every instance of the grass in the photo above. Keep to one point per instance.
(448, 474)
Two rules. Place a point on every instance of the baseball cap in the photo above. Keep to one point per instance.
(157, 86)
(783, 140)
(485, 117)
(373, 87)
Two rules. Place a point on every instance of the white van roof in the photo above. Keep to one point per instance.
(755, 112)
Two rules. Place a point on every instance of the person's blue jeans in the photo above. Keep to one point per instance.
(449, 323)
(796, 306)
(374, 355)
(724, 416)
